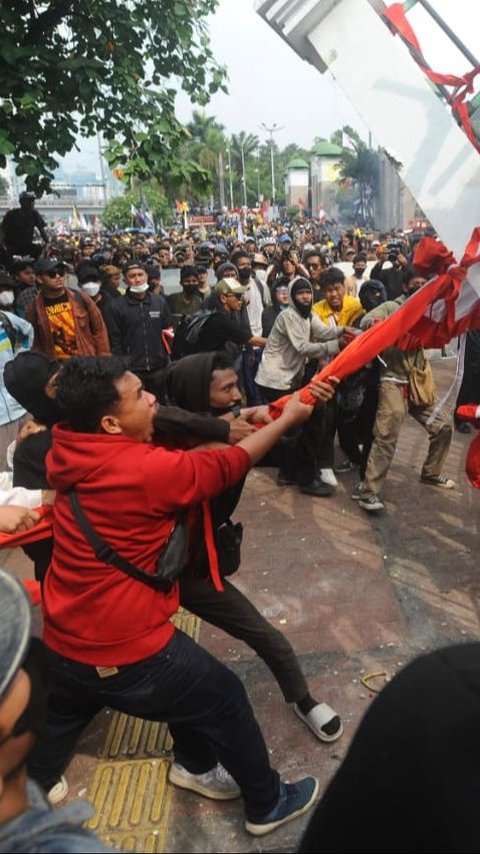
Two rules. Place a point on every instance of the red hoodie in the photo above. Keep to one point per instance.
(130, 492)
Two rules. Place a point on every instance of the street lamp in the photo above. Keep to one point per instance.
(257, 170)
(244, 181)
(274, 129)
(229, 167)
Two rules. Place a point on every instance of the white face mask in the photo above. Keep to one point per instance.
(261, 276)
(91, 288)
(139, 289)
(6, 298)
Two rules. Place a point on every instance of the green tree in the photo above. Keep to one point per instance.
(207, 144)
(70, 68)
(118, 211)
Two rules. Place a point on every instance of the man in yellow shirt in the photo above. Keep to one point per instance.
(337, 308)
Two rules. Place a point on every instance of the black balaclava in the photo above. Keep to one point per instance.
(25, 379)
(372, 294)
(301, 284)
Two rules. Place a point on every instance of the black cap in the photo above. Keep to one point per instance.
(47, 265)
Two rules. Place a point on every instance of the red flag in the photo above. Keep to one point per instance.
(458, 309)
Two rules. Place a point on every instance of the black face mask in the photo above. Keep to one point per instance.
(34, 717)
(244, 274)
(358, 272)
(190, 290)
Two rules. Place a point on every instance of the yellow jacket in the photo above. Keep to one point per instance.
(351, 311)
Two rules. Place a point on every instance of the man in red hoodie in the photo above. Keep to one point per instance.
(109, 636)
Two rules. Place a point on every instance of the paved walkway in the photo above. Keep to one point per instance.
(356, 594)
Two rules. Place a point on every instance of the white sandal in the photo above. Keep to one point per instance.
(316, 719)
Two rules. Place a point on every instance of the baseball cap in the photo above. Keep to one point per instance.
(285, 238)
(258, 258)
(47, 265)
(15, 628)
(230, 286)
(133, 265)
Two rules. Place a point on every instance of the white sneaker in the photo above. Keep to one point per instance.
(58, 792)
(328, 476)
(217, 783)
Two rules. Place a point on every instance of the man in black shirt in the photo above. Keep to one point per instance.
(18, 225)
(135, 325)
(221, 331)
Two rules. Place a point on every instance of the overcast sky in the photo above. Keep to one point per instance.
(268, 82)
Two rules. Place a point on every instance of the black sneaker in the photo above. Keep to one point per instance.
(317, 487)
(285, 478)
(295, 799)
(371, 503)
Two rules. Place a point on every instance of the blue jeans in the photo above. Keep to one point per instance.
(204, 703)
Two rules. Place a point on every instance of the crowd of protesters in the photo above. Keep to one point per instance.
(120, 373)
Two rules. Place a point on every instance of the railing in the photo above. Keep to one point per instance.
(55, 202)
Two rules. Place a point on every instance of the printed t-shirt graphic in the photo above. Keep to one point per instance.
(62, 326)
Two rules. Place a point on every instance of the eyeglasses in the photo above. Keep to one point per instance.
(55, 274)
(235, 296)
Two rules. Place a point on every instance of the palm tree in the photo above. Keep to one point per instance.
(207, 142)
(242, 142)
(201, 124)
(360, 164)
(242, 145)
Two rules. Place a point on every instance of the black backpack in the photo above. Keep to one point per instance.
(187, 332)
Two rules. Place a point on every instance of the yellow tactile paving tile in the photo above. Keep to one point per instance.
(129, 789)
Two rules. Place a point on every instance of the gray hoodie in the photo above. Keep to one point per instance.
(293, 341)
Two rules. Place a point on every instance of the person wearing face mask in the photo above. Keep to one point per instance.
(27, 821)
(260, 267)
(361, 274)
(401, 372)
(89, 283)
(257, 299)
(135, 325)
(188, 300)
